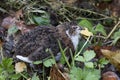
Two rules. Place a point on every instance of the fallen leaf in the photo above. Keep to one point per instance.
(98, 48)
(23, 27)
(56, 74)
(12, 30)
(86, 32)
(20, 67)
(110, 76)
(113, 56)
(8, 22)
(29, 79)
(115, 8)
(19, 14)
(69, 2)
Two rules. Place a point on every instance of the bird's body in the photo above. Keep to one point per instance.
(32, 46)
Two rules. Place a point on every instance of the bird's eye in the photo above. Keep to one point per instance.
(75, 27)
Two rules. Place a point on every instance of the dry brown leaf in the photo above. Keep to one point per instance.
(109, 76)
(23, 27)
(56, 74)
(19, 14)
(113, 56)
(1, 43)
(8, 22)
(69, 2)
(29, 79)
(20, 67)
(86, 32)
(115, 8)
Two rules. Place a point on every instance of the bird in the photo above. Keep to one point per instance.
(32, 46)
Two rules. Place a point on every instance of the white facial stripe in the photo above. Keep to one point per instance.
(74, 38)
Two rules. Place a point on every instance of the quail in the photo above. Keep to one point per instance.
(32, 46)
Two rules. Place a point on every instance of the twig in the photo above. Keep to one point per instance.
(23, 76)
(93, 19)
(112, 30)
(80, 9)
(3, 10)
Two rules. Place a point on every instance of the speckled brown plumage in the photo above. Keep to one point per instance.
(34, 43)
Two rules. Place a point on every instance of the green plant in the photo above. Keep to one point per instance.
(98, 28)
(88, 72)
(41, 20)
(12, 30)
(7, 70)
(37, 16)
(87, 56)
(116, 37)
(102, 62)
(35, 77)
(48, 62)
(77, 73)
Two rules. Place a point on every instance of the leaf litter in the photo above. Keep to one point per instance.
(101, 43)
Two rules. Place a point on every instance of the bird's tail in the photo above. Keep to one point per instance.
(25, 59)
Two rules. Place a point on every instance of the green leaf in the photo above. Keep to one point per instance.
(80, 58)
(88, 55)
(35, 77)
(37, 62)
(75, 73)
(115, 40)
(116, 37)
(12, 30)
(49, 62)
(41, 20)
(7, 64)
(89, 64)
(2, 77)
(86, 23)
(116, 34)
(103, 61)
(15, 76)
(100, 28)
(91, 74)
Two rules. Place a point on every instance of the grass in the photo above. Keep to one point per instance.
(39, 13)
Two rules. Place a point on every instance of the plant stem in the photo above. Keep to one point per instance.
(43, 73)
(91, 12)
(52, 56)
(23, 76)
(113, 30)
(92, 18)
(3, 10)
(72, 57)
(82, 47)
(63, 54)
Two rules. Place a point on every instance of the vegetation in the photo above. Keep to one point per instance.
(98, 48)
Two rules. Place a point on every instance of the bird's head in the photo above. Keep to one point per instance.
(72, 29)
